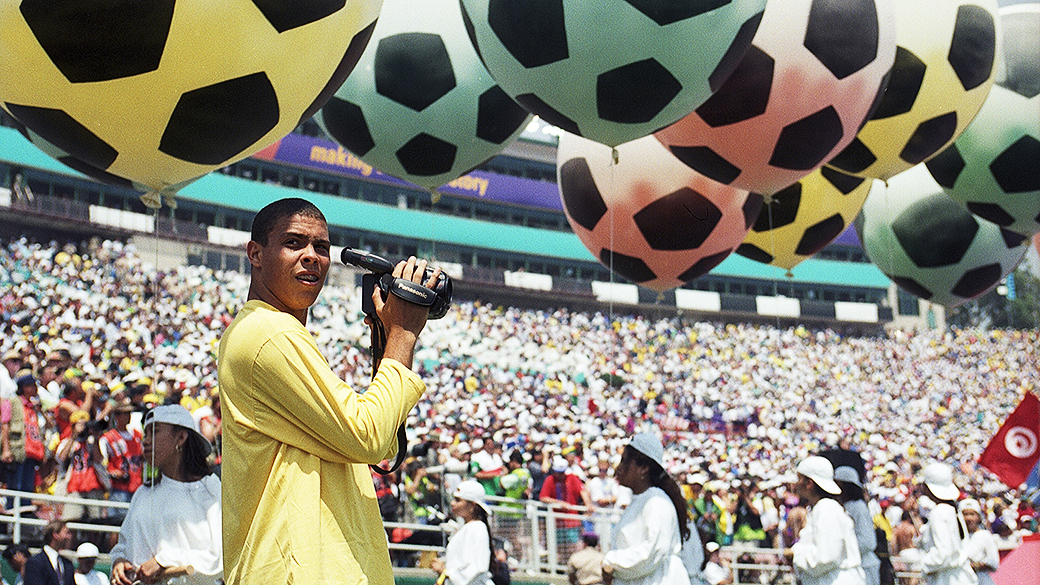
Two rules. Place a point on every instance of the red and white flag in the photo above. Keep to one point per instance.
(1015, 449)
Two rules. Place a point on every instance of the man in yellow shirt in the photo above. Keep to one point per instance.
(298, 500)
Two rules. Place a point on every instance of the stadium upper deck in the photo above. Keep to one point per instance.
(501, 229)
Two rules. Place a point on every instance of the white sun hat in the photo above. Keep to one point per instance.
(848, 475)
(939, 479)
(178, 416)
(648, 444)
(820, 471)
(470, 490)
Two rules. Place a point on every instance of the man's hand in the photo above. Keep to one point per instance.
(402, 320)
(123, 572)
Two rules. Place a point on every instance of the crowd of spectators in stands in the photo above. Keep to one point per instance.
(532, 404)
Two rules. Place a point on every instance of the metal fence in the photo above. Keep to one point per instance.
(538, 538)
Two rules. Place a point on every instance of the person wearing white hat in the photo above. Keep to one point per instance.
(981, 543)
(173, 527)
(852, 498)
(826, 552)
(940, 552)
(86, 574)
(646, 542)
(468, 556)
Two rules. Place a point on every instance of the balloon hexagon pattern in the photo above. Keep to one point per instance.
(611, 70)
(163, 91)
(994, 166)
(930, 245)
(801, 219)
(649, 218)
(420, 105)
(800, 94)
(943, 71)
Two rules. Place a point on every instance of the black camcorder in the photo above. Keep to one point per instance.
(438, 299)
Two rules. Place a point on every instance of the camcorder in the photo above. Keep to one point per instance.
(380, 270)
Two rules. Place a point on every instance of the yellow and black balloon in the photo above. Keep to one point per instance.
(801, 219)
(160, 92)
(944, 68)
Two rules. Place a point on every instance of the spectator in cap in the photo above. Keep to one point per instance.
(852, 497)
(716, 570)
(123, 451)
(174, 522)
(585, 566)
(939, 552)
(21, 437)
(469, 555)
(12, 363)
(86, 574)
(981, 543)
(565, 492)
(827, 552)
(648, 538)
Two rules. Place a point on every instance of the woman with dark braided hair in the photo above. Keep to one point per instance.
(646, 542)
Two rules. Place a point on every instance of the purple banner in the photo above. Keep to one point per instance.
(329, 157)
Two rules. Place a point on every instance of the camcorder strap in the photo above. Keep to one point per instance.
(378, 345)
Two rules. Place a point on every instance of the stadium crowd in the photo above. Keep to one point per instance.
(96, 329)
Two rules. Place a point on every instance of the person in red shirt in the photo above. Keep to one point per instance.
(566, 493)
(122, 450)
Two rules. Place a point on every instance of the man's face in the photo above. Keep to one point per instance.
(289, 272)
(12, 366)
(63, 538)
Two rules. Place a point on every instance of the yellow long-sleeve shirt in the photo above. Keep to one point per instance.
(298, 501)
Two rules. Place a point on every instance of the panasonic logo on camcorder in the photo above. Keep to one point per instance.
(414, 290)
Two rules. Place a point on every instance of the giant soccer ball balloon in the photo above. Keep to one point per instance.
(994, 166)
(611, 70)
(163, 91)
(801, 219)
(944, 68)
(802, 91)
(649, 218)
(930, 245)
(420, 105)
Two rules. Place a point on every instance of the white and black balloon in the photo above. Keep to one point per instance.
(611, 70)
(420, 105)
(930, 245)
(994, 166)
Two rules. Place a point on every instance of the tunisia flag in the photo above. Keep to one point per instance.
(1015, 449)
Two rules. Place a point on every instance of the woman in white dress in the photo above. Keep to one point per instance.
(467, 558)
(981, 543)
(172, 531)
(648, 538)
(940, 551)
(826, 552)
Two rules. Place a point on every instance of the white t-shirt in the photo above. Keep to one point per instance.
(178, 523)
(91, 578)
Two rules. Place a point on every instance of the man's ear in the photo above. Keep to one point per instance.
(253, 252)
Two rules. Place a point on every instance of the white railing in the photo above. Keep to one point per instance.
(541, 538)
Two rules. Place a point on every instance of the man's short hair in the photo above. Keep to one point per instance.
(272, 213)
(53, 527)
(591, 539)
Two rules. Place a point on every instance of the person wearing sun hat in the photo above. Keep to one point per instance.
(826, 551)
(468, 557)
(852, 499)
(174, 521)
(940, 552)
(981, 543)
(647, 541)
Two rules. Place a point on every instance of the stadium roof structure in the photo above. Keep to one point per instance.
(231, 192)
